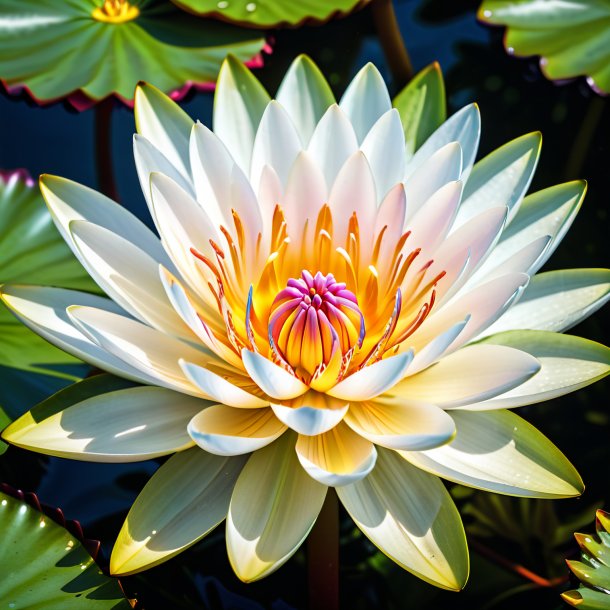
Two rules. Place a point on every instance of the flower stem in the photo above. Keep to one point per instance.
(323, 556)
(103, 148)
(392, 43)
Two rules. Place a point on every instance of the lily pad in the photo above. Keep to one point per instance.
(32, 252)
(271, 13)
(46, 566)
(572, 37)
(87, 50)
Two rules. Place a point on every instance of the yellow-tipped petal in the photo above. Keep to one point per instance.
(273, 508)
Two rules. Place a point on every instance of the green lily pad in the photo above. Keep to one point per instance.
(572, 38)
(32, 252)
(46, 566)
(594, 568)
(74, 49)
(271, 13)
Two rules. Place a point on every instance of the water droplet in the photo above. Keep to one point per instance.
(4, 502)
(222, 4)
(251, 7)
(510, 50)
(587, 539)
(487, 13)
(83, 566)
(12, 605)
(42, 523)
(153, 532)
(22, 510)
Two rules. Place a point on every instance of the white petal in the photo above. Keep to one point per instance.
(220, 389)
(161, 121)
(43, 309)
(273, 508)
(150, 159)
(471, 374)
(239, 103)
(353, 192)
(270, 378)
(374, 379)
(127, 425)
(333, 142)
(70, 201)
(128, 275)
(500, 452)
(277, 144)
(411, 517)
(153, 353)
(338, 457)
(556, 301)
(444, 166)
(547, 212)
(401, 424)
(305, 95)
(568, 364)
(384, 148)
(312, 413)
(365, 100)
(223, 430)
(305, 194)
(463, 127)
(183, 501)
(501, 178)
(485, 304)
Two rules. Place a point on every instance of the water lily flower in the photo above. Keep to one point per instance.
(322, 309)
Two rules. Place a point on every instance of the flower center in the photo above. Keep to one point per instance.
(313, 317)
(115, 11)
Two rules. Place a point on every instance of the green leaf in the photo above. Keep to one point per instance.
(4, 422)
(270, 13)
(422, 106)
(572, 38)
(59, 49)
(594, 569)
(46, 567)
(32, 252)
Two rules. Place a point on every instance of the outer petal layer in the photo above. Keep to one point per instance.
(411, 517)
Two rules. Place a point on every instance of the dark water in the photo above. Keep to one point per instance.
(514, 99)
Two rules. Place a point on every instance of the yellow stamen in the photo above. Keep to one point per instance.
(115, 11)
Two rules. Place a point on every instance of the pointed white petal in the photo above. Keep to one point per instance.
(43, 309)
(471, 374)
(411, 517)
(277, 144)
(224, 430)
(501, 178)
(239, 103)
(365, 100)
(128, 425)
(128, 275)
(568, 364)
(305, 95)
(556, 301)
(220, 389)
(183, 501)
(338, 457)
(500, 452)
(444, 166)
(161, 121)
(270, 378)
(374, 379)
(273, 508)
(384, 148)
(333, 142)
(463, 127)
